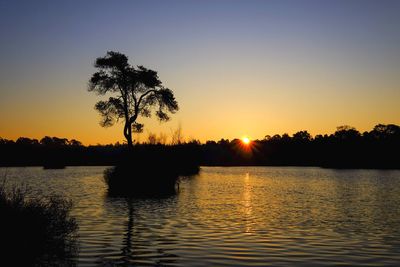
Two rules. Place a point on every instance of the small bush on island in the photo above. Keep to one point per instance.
(35, 232)
(151, 171)
(156, 182)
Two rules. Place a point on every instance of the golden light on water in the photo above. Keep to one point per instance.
(247, 204)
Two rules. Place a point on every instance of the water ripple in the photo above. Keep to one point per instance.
(250, 216)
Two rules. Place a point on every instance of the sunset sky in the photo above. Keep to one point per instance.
(236, 67)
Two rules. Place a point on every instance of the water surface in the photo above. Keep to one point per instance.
(234, 216)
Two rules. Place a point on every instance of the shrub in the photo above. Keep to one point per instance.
(35, 231)
(150, 171)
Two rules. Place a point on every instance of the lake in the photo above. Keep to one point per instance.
(234, 216)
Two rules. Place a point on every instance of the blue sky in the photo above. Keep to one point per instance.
(237, 67)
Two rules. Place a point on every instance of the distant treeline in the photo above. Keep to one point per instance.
(345, 148)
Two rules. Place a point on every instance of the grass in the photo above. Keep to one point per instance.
(35, 231)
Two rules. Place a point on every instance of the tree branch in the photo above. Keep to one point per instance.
(142, 96)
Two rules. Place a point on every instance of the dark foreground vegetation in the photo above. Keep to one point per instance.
(35, 231)
(345, 148)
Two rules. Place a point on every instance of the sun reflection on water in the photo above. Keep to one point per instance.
(247, 204)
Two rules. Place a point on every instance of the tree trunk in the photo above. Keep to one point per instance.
(128, 134)
(130, 143)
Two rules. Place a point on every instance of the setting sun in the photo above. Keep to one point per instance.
(246, 140)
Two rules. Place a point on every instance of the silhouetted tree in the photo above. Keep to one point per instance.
(74, 142)
(177, 137)
(276, 138)
(302, 136)
(27, 141)
(54, 141)
(285, 137)
(346, 148)
(346, 132)
(136, 91)
(382, 131)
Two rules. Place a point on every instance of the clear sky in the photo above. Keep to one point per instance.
(236, 67)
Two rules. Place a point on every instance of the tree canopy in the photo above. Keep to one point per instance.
(136, 92)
